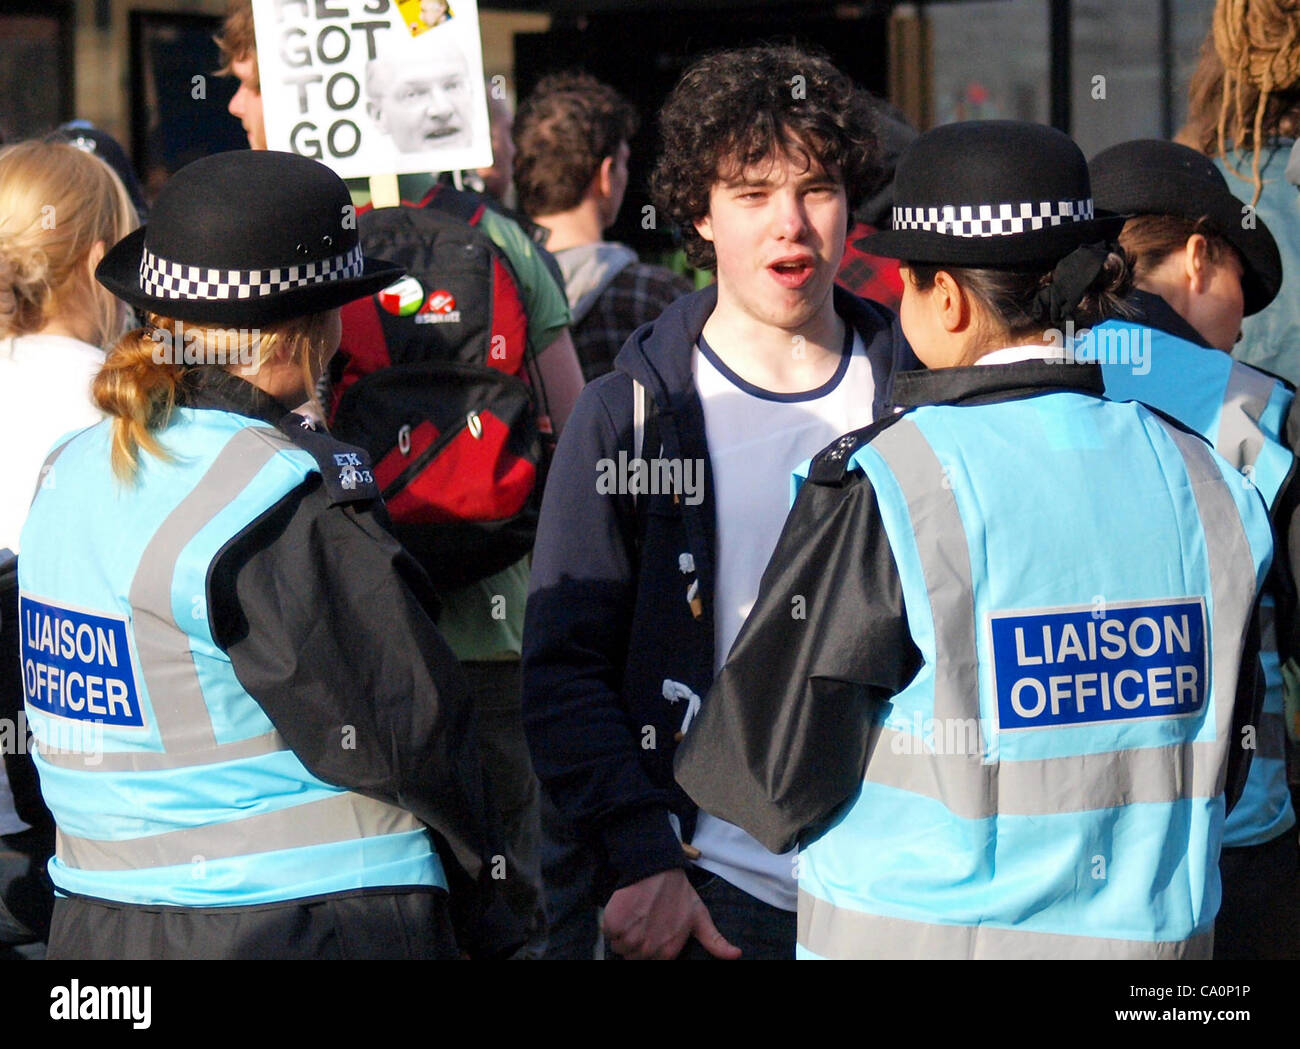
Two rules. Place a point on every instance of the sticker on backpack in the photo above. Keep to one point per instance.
(402, 298)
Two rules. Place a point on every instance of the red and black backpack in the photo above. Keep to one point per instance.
(431, 379)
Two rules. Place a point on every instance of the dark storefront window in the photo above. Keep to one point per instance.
(1128, 62)
(35, 68)
(990, 61)
(178, 103)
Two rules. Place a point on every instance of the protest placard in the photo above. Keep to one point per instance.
(373, 87)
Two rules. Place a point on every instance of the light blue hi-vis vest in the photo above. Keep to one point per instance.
(167, 780)
(1078, 576)
(1242, 412)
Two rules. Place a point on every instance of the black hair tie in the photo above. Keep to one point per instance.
(1056, 302)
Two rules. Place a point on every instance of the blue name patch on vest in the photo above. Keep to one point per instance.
(1075, 666)
(78, 664)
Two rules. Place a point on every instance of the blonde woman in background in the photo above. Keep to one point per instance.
(60, 208)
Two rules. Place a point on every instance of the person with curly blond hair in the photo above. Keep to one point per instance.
(1244, 111)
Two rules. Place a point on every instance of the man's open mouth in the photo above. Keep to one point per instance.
(792, 273)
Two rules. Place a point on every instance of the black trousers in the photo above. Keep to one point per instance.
(26, 894)
(379, 924)
(1260, 915)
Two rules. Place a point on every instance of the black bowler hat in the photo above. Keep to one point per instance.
(246, 238)
(1151, 177)
(991, 193)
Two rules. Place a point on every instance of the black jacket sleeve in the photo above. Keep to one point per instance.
(583, 742)
(19, 767)
(327, 624)
(1248, 706)
(781, 741)
(1285, 515)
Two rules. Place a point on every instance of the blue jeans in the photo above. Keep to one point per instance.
(568, 885)
(761, 931)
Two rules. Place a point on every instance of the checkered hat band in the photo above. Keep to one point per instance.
(164, 279)
(992, 220)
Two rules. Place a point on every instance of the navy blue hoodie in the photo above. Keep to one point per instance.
(609, 622)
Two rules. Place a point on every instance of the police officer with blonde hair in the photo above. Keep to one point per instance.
(253, 739)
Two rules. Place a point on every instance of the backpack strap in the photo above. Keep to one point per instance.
(638, 419)
(645, 426)
(456, 203)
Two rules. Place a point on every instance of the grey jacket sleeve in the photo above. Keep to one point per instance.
(782, 739)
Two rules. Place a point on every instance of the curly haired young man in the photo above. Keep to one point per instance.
(642, 577)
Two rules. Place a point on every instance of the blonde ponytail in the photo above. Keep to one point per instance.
(138, 391)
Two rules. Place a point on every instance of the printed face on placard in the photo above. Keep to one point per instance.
(423, 101)
(433, 12)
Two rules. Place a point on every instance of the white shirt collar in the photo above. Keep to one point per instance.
(1015, 354)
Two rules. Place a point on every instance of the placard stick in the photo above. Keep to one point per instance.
(384, 192)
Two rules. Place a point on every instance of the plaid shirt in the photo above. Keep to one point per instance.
(637, 295)
(869, 276)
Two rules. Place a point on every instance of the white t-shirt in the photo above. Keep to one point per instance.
(44, 393)
(756, 439)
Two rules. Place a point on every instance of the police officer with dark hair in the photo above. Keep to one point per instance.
(1200, 270)
(1007, 722)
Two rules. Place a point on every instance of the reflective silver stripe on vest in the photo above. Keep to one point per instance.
(342, 817)
(153, 761)
(841, 933)
(1244, 400)
(959, 777)
(1046, 786)
(945, 561)
(1232, 580)
(166, 664)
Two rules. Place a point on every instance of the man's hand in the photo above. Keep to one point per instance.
(654, 918)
